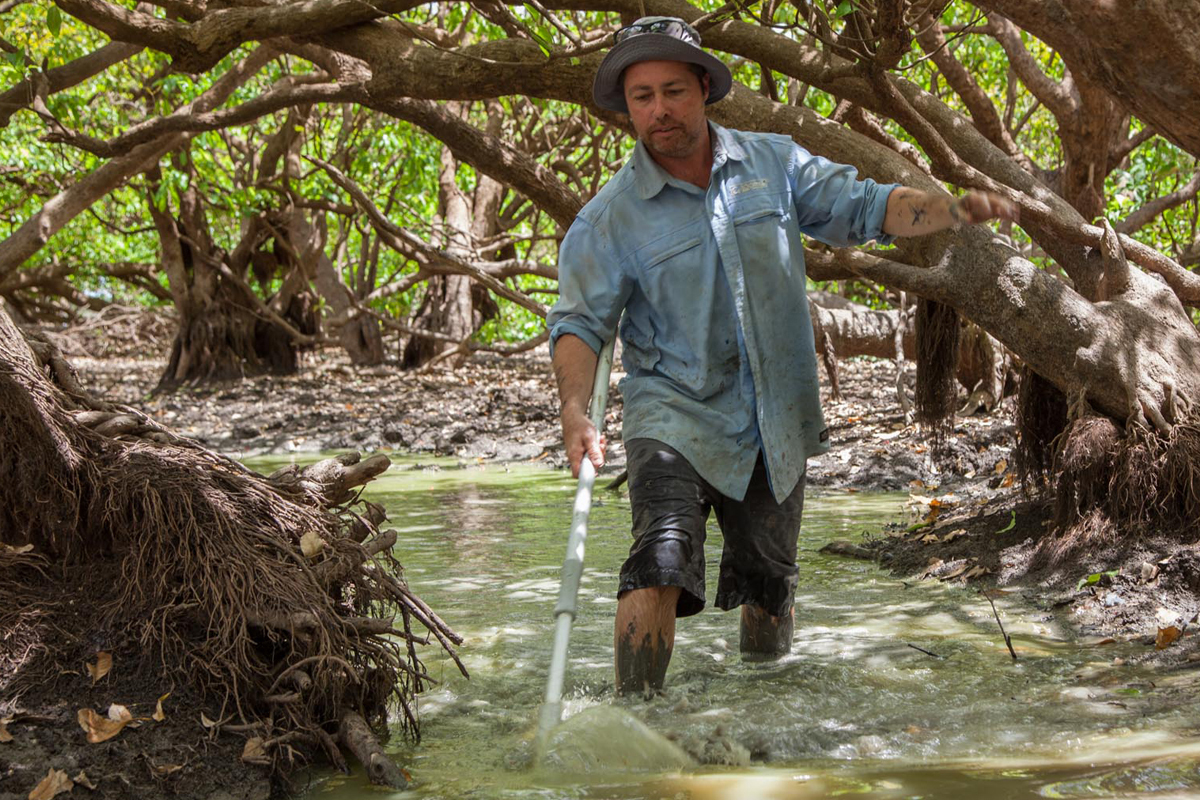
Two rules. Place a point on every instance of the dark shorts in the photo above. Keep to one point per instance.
(671, 503)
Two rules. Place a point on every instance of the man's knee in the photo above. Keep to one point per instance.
(651, 598)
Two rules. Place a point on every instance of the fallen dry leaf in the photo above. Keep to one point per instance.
(101, 667)
(976, 572)
(1008, 481)
(1001, 466)
(83, 780)
(929, 538)
(954, 573)
(8, 548)
(954, 534)
(166, 769)
(933, 564)
(101, 729)
(311, 543)
(1165, 636)
(254, 752)
(55, 783)
(206, 722)
(5, 736)
(158, 715)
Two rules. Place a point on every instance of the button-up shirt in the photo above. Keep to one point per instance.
(717, 343)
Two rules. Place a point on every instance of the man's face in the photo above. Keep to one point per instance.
(666, 105)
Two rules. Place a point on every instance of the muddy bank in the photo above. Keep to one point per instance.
(506, 410)
(1143, 589)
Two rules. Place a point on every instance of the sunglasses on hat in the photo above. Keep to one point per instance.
(668, 26)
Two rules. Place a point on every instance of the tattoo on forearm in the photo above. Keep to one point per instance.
(919, 213)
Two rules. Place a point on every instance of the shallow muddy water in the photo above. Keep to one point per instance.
(857, 709)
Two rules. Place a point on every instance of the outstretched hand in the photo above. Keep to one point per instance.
(975, 207)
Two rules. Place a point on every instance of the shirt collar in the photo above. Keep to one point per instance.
(651, 178)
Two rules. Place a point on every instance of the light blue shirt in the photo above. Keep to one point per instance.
(718, 347)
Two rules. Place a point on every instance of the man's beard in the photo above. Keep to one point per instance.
(679, 144)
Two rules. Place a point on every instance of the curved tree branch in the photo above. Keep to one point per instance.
(57, 79)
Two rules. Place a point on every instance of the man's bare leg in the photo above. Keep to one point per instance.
(765, 636)
(644, 637)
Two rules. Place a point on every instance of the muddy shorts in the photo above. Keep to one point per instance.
(671, 503)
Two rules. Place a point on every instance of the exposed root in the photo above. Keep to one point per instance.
(269, 595)
(938, 333)
(1115, 482)
(356, 736)
(1041, 415)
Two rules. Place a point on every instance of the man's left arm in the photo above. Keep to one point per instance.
(911, 212)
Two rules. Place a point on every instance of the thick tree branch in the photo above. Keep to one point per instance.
(490, 155)
(66, 205)
(1161, 85)
(429, 258)
(57, 79)
(284, 94)
(983, 112)
(198, 46)
(1053, 95)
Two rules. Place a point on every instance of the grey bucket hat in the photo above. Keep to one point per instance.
(655, 39)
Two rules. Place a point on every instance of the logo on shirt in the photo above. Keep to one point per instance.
(749, 186)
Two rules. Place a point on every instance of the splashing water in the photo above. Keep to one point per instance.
(855, 709)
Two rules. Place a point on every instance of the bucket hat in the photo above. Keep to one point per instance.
(655, 39)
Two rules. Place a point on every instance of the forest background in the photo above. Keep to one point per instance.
(392, 179)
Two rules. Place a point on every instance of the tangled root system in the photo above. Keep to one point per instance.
(272, 595)
(1114, 482)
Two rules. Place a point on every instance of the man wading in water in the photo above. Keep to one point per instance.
(698, 240)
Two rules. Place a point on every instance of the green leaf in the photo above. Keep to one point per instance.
(845, 8)
(54, 20)
(1096, 577)
(1012, 523)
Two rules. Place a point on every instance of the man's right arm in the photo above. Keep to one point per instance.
(575, 370)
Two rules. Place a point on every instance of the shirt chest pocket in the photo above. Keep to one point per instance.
(761, 225)
(675, 252)
(759, 208)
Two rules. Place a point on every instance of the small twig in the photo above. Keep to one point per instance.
(923, 650)
(1007, 638)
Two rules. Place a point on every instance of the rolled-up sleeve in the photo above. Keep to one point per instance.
(592, 290)
(832, 205)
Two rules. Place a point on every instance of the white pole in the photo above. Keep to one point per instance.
(572, 571)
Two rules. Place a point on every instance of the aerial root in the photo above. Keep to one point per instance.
(1111, 482)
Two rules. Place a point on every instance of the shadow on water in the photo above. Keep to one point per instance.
(856, 710)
